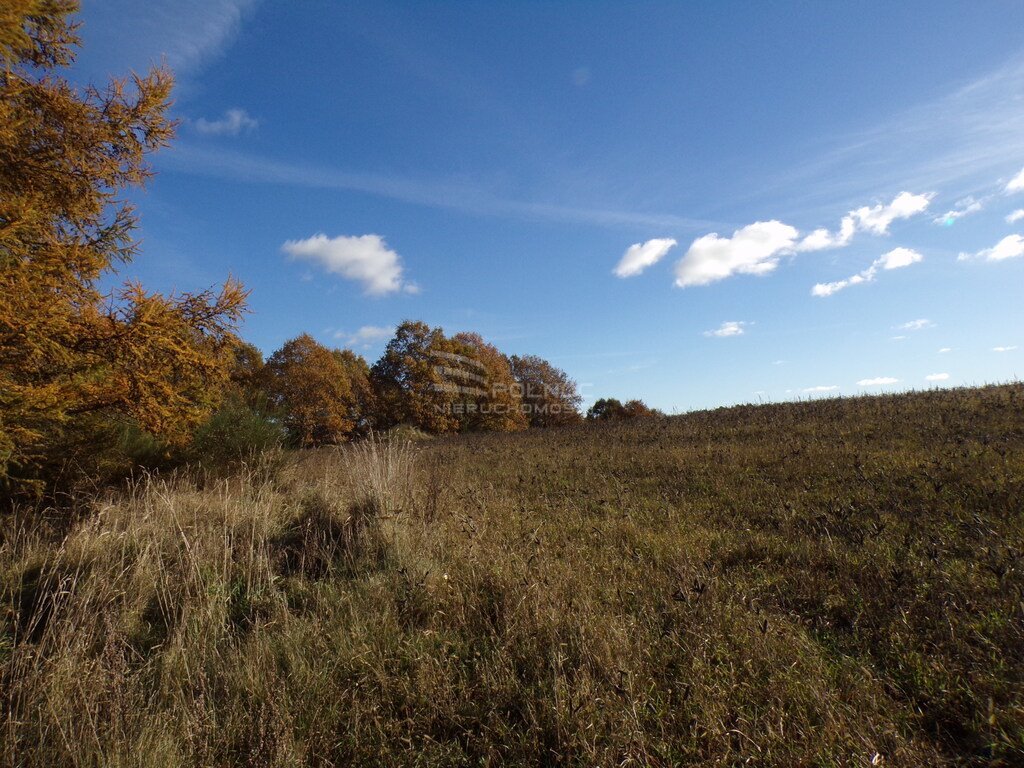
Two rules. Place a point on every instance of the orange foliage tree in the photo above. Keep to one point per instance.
(410, 383)
(309, 387)
(550, 397)
(68, 352)
(363, 402)
(498, 407)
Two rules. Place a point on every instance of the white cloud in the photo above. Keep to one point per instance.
(875, 219)
(820, 239)
(964, 207)
(728, 328)
(936, 377)
(916, 325)
(944, 350)
(897, 258)
(1003, 349)
(640, 256)
(753, 250)
(757, 248)
(366, 335)
(877, 382)
(1016, 184)
(231, 123)
(878, 218)
(813, 390)
(1016, 216)
(365, 258)
(1010, 247)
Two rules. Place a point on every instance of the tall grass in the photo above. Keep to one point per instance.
(825, 584)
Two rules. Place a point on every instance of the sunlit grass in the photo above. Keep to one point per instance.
(825, 583)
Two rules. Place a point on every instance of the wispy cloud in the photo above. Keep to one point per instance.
(945, 350)
(916, 325)
(231, 123)
(366, 336)
(936, 377)
(1016, 216)
(464, 198)
(897, 258)
(964, 207)
(1004, 349)
(962, 138)
(640, 256)
(187, 34)
(1016, 184)
(753, 250)
(1010, 247)
(365, 259)
(728, 328)
(820, 389)
(879, 381)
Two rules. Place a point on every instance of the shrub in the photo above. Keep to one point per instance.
(235, 432)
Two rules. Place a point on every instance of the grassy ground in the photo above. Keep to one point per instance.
(836, 583)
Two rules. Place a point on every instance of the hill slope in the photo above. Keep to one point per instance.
(826, 583)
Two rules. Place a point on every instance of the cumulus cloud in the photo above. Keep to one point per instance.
(964, 207)
(936, 377)
(1016, 216)
(1016, 184)
(753, 250)
(897, 258)
(366, 335)
(1003, 349)
(1010, 247)
(640, 256)
(879, 381)
(916, 325)
(728, 328)
(231, 123)
(875, 219)
(365, 259)
(818, 389)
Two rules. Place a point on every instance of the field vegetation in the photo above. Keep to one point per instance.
(834, 583)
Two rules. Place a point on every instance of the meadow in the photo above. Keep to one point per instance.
(828, 583)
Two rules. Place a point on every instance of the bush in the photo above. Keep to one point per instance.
(233, 433)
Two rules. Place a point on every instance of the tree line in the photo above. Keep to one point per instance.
(424, 379)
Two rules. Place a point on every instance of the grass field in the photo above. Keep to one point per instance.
(833, 583)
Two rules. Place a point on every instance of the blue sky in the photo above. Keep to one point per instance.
(696, 204)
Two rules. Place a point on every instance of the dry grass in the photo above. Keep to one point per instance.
(818, 584)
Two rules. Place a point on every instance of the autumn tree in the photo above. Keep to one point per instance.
(638, 409)
(363, 402)
(245, 372)
(497, 406)
(606, 409)
(410, 382)
(70, 354)
(550, 398)
(611, 409)
(308, 386)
